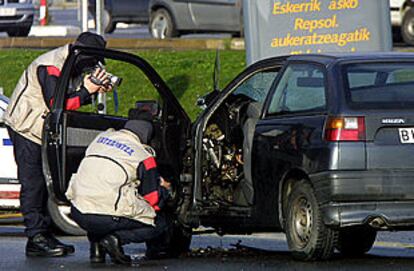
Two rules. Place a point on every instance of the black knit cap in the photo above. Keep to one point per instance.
(90, 39)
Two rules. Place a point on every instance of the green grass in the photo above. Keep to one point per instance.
(188, 73)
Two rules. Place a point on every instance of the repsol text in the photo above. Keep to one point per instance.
(311, 25)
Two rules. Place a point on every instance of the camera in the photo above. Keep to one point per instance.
(114, 81)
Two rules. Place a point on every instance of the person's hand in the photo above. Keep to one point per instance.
(101, 83)
(165, 184)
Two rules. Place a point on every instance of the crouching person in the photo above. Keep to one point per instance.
(117, 191)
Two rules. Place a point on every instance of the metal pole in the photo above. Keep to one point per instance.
(99, 13)
(79, 12)
(99, 30)
(84, 15)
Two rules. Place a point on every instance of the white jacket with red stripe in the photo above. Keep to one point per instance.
(27, 108)
(107, 182)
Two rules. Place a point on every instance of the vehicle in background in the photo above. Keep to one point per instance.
(402, 19)
(172, 18)
(121, 11)
(9, 185)
(16, 17)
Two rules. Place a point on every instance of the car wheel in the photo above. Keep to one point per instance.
(19, 32)
(356, 241)
(109, 25)
(161, 25)
(62, 219)
(180, 240)
(407, 27)
(307, 236)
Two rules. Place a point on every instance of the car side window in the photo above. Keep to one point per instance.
(258, 85)
(301, 89)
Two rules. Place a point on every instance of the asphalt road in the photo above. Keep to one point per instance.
(392, 251)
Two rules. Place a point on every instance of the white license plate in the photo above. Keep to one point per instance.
(7, 11)
(406, 135)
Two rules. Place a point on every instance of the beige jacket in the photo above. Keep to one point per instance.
(27, 108)
(106, 181)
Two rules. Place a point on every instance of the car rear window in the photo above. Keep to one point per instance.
(380, 85)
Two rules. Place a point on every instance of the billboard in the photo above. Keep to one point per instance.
(280, 27)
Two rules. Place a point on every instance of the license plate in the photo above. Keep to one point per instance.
(7, 11)
(406, 135)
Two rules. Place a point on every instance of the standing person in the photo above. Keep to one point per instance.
(117, 194)
(30, 102)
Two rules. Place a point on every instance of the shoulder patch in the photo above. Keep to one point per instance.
(52, 70)
(150, 163)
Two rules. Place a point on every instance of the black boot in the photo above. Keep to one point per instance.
(113, 247)
(97, 253)
(55, 242)
(40, 246)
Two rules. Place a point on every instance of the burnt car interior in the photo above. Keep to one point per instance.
(227, 143)
(78, 128)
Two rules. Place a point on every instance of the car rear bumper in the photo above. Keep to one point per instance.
(383, 199)
(379, 215)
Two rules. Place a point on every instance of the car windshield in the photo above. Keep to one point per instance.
(380, 85)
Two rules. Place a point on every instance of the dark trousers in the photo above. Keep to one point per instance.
(33, 193)
(128, 230)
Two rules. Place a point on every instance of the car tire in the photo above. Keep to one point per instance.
(309, 239)
(62, 220)
(19, 32)
(180, 240)
(109, 25)
(161, 25)
(407, 27)
(356, 241)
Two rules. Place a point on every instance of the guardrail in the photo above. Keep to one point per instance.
(121, 43)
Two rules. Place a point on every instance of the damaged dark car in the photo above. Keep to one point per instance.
(316, 146)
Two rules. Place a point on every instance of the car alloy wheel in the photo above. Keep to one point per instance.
(407, 27)
(159, 27)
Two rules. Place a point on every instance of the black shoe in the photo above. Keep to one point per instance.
(54, 242)
(39, 246)
(113, 247)
(97, 253)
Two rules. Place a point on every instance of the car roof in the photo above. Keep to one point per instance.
(330, 58)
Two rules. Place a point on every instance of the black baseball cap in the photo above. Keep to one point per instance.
(90, 39)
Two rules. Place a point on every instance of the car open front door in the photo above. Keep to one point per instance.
(68, 133)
